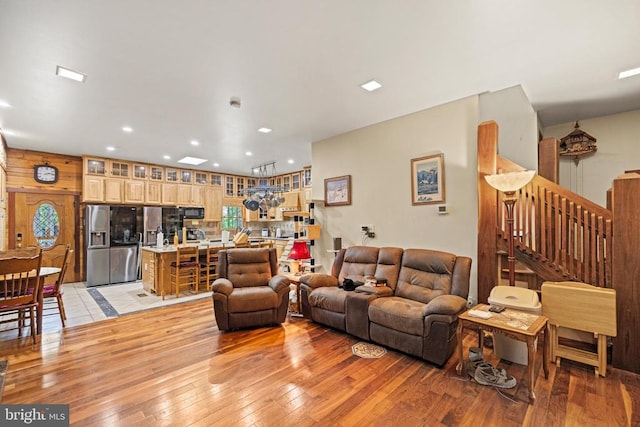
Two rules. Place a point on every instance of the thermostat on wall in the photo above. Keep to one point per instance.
(442, 210)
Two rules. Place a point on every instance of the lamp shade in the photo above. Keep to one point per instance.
(300, 250)
(511, 181)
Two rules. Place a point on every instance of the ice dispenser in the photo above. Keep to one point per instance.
(98, 239)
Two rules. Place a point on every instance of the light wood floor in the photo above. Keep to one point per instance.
(172, 366)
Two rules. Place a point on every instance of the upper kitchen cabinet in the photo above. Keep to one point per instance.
(212, 203)
(134, 191)
(119, 169)
(140, 172)
(229, 186)
(94, 173)
(215, 179)
(306, 177)
(295, 181)
(189, 195)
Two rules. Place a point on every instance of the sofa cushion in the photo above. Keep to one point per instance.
(358, 262)
(332, 299)
(388, 265)
(399, 314)
(425, 274)
(243, 300)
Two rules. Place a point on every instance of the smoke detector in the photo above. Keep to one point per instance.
(234, 102)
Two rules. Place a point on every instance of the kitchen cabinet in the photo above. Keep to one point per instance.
(212, 203)
(149, 276)
(153, 195)
(134, 191)
(93, 189)
(291, 200)
(189, 195)
(169, 194)
(113, 190)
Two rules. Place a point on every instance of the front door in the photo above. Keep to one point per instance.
(46, 220)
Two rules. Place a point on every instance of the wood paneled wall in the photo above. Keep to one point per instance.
(20, 165)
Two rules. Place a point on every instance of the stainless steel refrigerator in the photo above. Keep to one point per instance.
(124, 237)
(152, 222)
(97, 242)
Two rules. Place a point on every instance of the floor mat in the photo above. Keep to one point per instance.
(368, 351)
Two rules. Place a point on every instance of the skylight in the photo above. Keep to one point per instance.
(70, 74)
(192, 160)
(371, 85)
(629, 73)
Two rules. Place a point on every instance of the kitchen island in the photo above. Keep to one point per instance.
(156, 262)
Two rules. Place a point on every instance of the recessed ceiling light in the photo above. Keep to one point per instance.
(216, 165)
(166, 157)
(371, 85)
(192, 160)
(4, 104)
(629, 73)
(110, 148)
(127, 129)
(248, 153)
(290, 161)
(194, 142)
(70, 74)
(264, 130)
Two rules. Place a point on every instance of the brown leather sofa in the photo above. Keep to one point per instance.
(249, 291)
(416, 313)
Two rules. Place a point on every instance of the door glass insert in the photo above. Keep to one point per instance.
(46, 225)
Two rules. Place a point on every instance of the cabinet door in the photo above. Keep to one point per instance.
(93, 189)
(184, 195)
(169, 194)
(153, 193)
(134, 192)
(291, 200)
(197, 195)
(113, 190)
(213, 204)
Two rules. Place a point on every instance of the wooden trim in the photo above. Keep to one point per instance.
(549, 159)
(43, 190)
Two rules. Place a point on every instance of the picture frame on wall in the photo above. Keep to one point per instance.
(337, 191)
(427, 180)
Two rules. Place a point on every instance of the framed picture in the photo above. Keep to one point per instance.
(427, 180)
(337, 191)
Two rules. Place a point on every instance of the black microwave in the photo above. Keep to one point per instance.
(192, 213)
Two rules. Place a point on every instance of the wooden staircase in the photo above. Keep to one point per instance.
(561, 236)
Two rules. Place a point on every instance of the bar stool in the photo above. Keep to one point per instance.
(209, 266)
(185, 269)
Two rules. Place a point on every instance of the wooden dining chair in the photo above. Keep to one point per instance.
(209, 267)
(184, 271)
(54, 290)
(19, 287)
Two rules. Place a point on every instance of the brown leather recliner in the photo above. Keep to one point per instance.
(249, 291)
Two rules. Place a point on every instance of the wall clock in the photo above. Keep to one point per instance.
(45, 174)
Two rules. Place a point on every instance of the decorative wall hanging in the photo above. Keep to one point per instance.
(577, 144)
(337, 191)
(427, 180)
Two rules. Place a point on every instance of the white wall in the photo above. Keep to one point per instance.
(618, 142)
(378, 159)
(517, 124)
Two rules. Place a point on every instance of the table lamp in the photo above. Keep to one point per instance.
(299, 252)
(509, 183)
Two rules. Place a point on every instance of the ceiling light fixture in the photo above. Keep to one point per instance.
(194, 143)
(192, 160)
(248, 153)
(70, 74)
(4, 104)
(110, 148)
(371, 85)
(263, 196)
(264, 130)
(290, 161)
(216, 165)
(166, 157)
(629, 73)
(127, 129)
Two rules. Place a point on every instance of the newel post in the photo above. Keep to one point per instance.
(626, 270)
(487, 258)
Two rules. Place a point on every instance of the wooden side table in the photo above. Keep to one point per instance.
(295, 280)
(519, 325)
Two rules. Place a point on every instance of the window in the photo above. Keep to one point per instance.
(46, 225)
(231, 217)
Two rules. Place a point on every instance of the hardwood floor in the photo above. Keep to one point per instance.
(172, 366)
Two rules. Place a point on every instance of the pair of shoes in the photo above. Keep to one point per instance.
(475, 359)
(488, 375)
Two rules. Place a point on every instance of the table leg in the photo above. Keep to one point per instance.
(545, 352)
(460, 350)
(531, 361)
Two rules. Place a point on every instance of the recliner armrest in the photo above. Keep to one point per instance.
(222, 286)
(445, 304)
(279, 282)
(319, 280)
